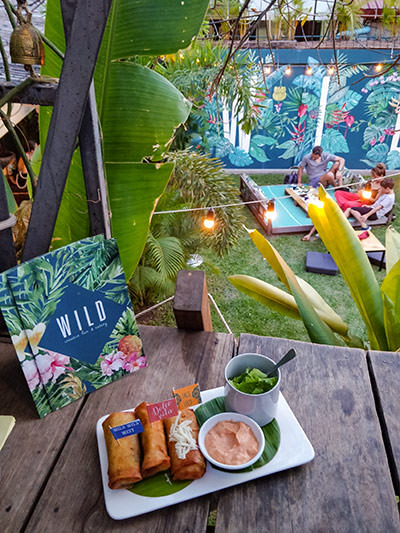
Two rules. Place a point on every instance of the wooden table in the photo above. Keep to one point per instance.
(49, 469)
(297, 199)
(372, 244)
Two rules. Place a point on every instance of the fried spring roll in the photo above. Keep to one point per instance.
(123, 454)
(187, 461)
(154, 444)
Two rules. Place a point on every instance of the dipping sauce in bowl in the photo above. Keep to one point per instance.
(231, 440)
(231, 443)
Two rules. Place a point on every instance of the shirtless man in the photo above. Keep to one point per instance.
(315, 164)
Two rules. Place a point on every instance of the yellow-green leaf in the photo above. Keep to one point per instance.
(392, 242)
(391, 306)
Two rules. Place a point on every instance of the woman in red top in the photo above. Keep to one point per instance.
(346, 199)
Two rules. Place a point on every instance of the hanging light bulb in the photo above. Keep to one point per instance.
(309, 71)
(181, 56)
(209, 220)
(367, 192)
(378, 67)
(197, 60)
(288, 70)
(270, 213)
(330, 70)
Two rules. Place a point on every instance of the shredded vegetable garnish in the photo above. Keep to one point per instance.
(182, 434)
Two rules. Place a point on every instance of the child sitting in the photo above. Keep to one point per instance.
(381, 207)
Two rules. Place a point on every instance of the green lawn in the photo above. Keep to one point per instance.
(245, 315)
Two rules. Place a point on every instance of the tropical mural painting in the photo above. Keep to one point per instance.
(345, 110)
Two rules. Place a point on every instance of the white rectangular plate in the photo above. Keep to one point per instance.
(295, 449)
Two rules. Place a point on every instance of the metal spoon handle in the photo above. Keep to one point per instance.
(285, 359)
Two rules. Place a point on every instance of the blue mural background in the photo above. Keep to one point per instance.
(359, 122)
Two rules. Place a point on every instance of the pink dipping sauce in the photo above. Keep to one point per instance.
(231, 443)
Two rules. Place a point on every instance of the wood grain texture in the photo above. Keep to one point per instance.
(32, 447)
(191, 306)
(73, 497)
(347, 487)
(386, 374)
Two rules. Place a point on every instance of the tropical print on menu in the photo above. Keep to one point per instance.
(71, 321)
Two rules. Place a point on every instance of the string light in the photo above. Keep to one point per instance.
(197, 60)
(331, 70)
(309, 71)
(239, 204)
(270, 213)
(367, 192)
(288, 70)
(378, 67)
(181, 56)
(209, 220)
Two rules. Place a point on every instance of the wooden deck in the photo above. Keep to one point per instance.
(346, 400)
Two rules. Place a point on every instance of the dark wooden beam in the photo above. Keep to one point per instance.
(37, 94)
(87, 29)
(90, 149)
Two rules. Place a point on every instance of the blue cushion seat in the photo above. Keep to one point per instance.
(321, 263)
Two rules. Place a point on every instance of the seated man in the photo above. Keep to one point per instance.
(378, 209)
(316, 163)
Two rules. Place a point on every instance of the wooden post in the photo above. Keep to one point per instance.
(191, 305)
(87, 29)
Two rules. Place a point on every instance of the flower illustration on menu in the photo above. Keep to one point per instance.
(31, 373)
(35, 335)
(20, 341)
(52, 365)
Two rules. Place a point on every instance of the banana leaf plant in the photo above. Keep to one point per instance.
(138, 112)
(379, 306)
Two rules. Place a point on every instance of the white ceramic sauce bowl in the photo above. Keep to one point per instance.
(260, 407)
(235, 417)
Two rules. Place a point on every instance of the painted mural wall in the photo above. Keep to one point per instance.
(358, 118)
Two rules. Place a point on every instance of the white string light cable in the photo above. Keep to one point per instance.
(190, 209)
(221, 316)
(8, 222)
(154, 307)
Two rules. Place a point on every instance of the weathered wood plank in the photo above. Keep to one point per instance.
(175, 358)
(76, 76)
(37, 94)
(386, 374)
(347, 487)
(32, 447)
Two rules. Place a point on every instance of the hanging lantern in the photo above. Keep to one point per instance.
(209, 220)
(367, 192)
(26, 46)
(270, 213)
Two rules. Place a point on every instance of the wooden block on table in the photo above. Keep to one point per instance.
(191, 306)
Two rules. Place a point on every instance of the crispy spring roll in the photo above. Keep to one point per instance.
(154, 444)
(123, 454)
(187, 461)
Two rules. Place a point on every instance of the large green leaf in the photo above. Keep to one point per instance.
(392, 242)
(273, 297)
(12, 205)
(326, 313)
(347, 252)
(391, 306)
(139, 111)
(152, 27)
